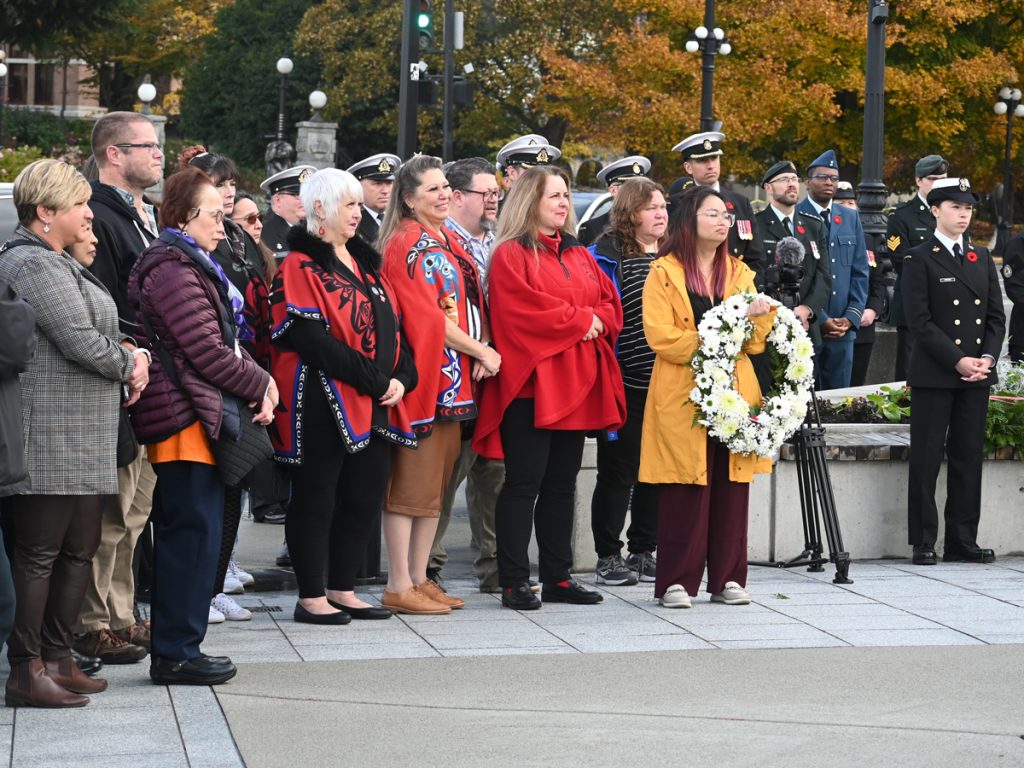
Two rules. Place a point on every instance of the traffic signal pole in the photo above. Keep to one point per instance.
(407, 93)
(449, 77)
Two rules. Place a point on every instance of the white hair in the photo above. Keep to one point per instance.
(331, 187)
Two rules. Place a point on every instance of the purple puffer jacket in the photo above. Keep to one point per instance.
(184, 309)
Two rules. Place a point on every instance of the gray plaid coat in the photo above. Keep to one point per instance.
(71, 393)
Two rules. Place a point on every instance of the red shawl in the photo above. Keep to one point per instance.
(435, 279)
(541, 306)
(304, 289)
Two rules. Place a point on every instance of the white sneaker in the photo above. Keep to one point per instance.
(216, 617)
(247, 579)
(232, 585)
(231, 610)
(733, 594)
(676, 597)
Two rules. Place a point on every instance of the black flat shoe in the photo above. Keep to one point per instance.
(197, 671)
(303, 616)
(370, 612)
(90, 665)
(968, 555)
(570, 592)
(520, 598)
(924, 554)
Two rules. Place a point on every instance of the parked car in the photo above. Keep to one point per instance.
(600, 203)
(8, 214)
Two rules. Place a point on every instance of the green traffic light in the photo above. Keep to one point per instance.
(423, 21)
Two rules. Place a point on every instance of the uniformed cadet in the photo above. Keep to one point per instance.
(702, 159)
(954, 308)
(613, 174)
(1013, 282)
(782, 219)
(525, 152)
(285, 206)
(376, 175)
(910, 224)
(848, 261)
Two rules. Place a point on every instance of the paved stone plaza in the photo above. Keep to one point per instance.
(368, 682)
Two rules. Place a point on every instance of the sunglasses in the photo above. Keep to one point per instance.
(251, 219)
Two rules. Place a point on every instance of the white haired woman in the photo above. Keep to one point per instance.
(339, 356)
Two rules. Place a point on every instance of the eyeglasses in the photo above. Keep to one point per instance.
(251, 219)
(826, 177)
(149, 146)
(785, 180)
(486, 194)
(215, 213)
(728, 218)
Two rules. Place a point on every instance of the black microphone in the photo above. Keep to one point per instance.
(790, 251)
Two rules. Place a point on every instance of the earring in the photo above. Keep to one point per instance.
(46, 226)
(321, 231)
(184, 230)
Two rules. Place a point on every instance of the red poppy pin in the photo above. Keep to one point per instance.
(972, 256)
(800, 229)
(837, 219)
(729, 205)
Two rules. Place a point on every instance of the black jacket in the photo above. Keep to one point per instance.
(17, 350)
(745, 237)
(592, 229)
(953, 311)
(909, 225)
(878, 300)
(275, 235)
(122, 235)
(368, 228)
(1013, 282)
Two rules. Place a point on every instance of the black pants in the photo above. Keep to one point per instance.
(55, 538)
(228, 532)
(861, 360)
(540, 489)
(188, 508)
(962, 411)
(618, 462)
(336, 499)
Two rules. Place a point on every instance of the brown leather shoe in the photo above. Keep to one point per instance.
(29, 686)
(65, 673)
(414, 602)
(137, 634)
(109, 647)
(438, 595)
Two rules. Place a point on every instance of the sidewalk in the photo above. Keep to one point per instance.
(713, 680)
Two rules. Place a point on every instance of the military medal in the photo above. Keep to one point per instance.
(743, 228)
(814, 246)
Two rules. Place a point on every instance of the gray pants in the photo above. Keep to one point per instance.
(484, 479)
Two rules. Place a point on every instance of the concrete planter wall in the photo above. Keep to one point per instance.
(868, 468)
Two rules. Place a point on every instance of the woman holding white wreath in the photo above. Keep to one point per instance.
(703, 487)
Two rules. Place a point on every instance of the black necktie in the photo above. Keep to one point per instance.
(788, 226)
(959, 253)
(826, 215)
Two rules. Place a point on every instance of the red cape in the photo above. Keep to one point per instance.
(434, 280)
(541, 306)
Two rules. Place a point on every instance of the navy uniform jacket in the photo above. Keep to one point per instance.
(848, 260)
(274, 235)
(592, 229)
(368, 228)
(909, 225)
(952, 310)
(744, 239)
(816, 284)
(1013, 282)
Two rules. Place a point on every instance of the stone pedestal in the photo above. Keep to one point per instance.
(156, 192)
(316, 143)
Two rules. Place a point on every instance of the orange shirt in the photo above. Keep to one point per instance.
(190, 444)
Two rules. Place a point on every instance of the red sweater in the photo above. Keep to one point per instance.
(541, 305)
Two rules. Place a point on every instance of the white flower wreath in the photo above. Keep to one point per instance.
(746, 429)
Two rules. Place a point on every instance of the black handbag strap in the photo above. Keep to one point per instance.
(15, 244)
(159, 349)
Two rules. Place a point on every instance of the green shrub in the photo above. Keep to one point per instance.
(13, 160)
(27, 127)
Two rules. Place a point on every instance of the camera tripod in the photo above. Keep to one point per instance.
(817, 502)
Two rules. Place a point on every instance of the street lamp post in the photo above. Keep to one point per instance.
(871, 191)
(146, 94)
(1009, 104)
(711, 41)
(279, 152)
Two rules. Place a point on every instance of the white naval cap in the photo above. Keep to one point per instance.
(627, 168)
(700, 145)
(531, 149)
